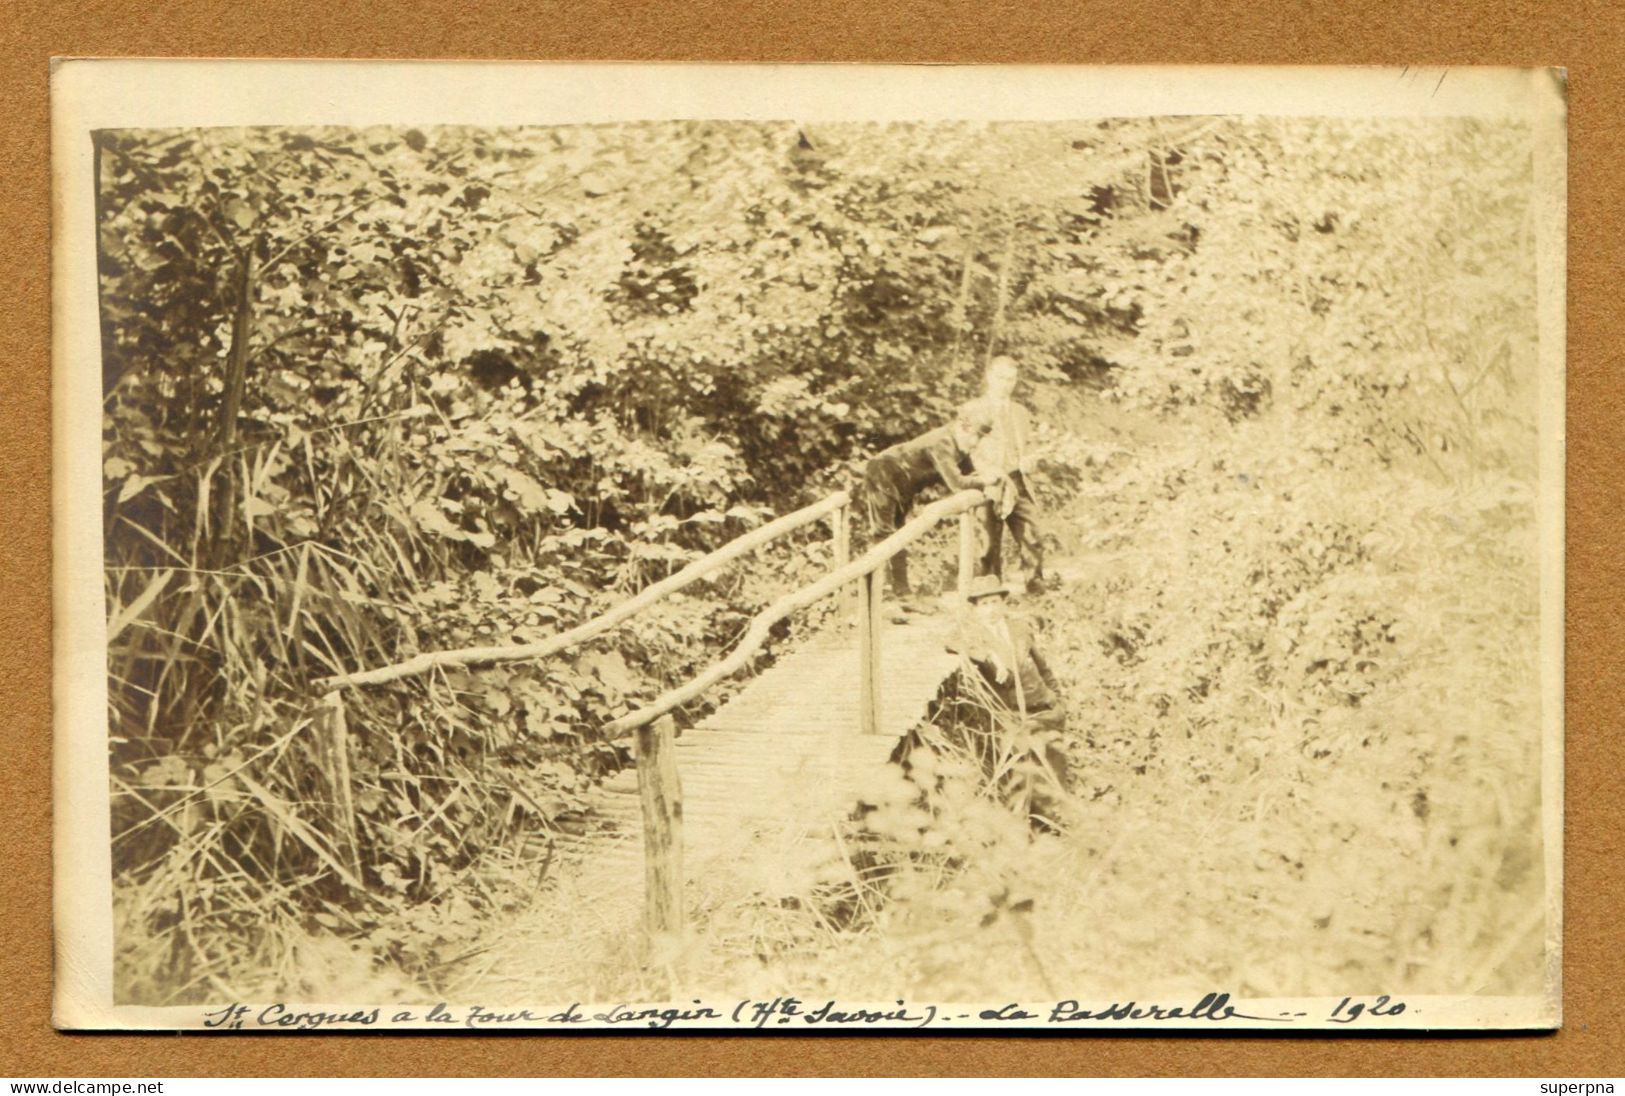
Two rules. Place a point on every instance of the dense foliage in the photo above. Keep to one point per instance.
(378, 392)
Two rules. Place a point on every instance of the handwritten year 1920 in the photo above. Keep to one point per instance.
(1349, 1010)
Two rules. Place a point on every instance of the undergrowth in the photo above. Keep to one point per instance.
(373, 393)
(1304, 758)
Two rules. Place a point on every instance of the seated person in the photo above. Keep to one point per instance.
(1028, 713)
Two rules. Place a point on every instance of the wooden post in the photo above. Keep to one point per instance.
(842, 533)
(661, 795)
(334, 748)
(870, 596)
(967, 550)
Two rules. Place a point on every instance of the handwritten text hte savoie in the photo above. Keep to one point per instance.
(794, 1013)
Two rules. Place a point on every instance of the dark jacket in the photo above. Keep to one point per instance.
(909, 467)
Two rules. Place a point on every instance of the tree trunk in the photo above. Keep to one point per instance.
(1002, 290)
(237, 354)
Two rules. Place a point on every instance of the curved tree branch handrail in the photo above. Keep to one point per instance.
(486, 655)
(756, 635)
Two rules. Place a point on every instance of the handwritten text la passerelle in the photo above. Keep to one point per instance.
(794, 1013)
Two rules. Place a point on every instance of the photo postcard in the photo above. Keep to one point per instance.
(807, 548)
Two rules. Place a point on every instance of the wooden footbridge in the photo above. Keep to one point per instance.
(787, 755)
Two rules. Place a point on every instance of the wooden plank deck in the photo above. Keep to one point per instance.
(784, 758)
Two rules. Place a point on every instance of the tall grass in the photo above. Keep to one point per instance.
(245, 826)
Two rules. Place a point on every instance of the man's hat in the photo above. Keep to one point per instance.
(986, 586)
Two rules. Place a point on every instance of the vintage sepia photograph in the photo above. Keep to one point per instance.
(671, 547)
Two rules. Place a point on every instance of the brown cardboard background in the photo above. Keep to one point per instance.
(1583, 35)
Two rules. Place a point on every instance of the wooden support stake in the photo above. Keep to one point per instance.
(843, 536)
(967, 550)
(842, 533)
(870, 596)
(336, 748)
(662, 797)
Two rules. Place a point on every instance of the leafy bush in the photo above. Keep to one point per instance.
(372, 393)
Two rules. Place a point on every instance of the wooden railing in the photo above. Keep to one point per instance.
(837, 505)
(652, 726)
(868, 571)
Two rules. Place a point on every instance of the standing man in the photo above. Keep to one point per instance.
(893, 479)
(1001, 457)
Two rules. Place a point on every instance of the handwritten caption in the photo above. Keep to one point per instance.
(797, 1014)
